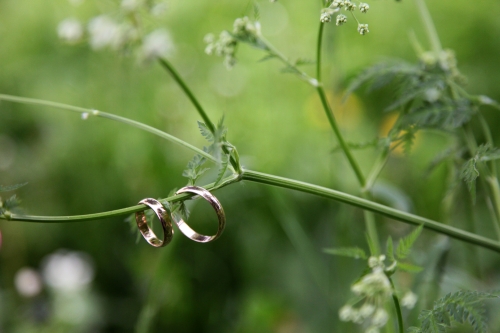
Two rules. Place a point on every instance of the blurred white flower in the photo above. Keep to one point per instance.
(409, 300)
(373, 284)
(157, 44)
(28, 282)
(159, 9)
(131, 5)
(70, 30)
(69, 271)
(104, 32)
(380, 318)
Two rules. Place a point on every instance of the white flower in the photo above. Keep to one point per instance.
(69, 271)
(376, 261)
(337, 4)
(380, 318)
(341, 19)
(157, 44)
(70, 30)
(104, 32)
(363, 7)
(159, 9)
(28, 282)
(130, 5)
(409, 300)
(346, 313)
(366, 310)
(432, 95)
(375, 283)
(349, 5)
(363, 29)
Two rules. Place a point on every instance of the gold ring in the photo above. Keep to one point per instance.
(186, 230)
(165, 221)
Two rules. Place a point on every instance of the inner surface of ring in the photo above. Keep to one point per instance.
(187, 230)
(165, 221)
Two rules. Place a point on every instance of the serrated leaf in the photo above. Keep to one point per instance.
(461, 307)
(389, 252)
(205, 131)
(469, 174)
(267, 57)
(410, 268)
(11, 187)
(352, 252)
(222, 170)
(405, 244)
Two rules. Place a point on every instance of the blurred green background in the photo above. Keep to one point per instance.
(267, 273)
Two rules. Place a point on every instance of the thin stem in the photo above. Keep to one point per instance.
(91, 112)
(166, 65)
(318, 51)
(275, 52)
(340, 138)
(177, 78)
(376, 169)
(371, 206)
(430, 29)
(292, 184)
(398, 308)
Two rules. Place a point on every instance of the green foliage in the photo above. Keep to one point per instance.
(460, 307)
(469, 172)
(11, 187)
(352, 252)
(219, 147)
(406, 243)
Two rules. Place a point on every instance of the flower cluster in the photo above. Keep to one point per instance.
(244, 30)
(374, 289)
(121, 32)
(335, 7)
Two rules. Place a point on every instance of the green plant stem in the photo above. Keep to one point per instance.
(273, 180)
(96, 113)
(318, 51)
(177, 78)
(376, 169)
(488, 180)
(398, 308)
(430, 29)
(370, 222)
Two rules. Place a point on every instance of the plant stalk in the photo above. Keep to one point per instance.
(96, 113)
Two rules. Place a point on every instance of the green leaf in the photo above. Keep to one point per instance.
(469, 174)
(11, 187)
(222, 170)
(405, 244)
(389, 252)
(410, 268)
(461, 307)
(352, 252)
(267, 57)
(205, 131)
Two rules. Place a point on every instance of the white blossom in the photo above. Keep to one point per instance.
(363, 29)
(70, 30)
(380, 318)
(131, 5)
(341, 19)
(409, 300)
(67, 271)
(157, 44)
(104, 32)
(363, 7)
(28, 282)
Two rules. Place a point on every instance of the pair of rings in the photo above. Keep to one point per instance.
(166, 222)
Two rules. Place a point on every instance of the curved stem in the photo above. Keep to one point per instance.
(96, 113)
(165, 64)
(292, 184)
(430, 29)
(177, 78)
(371, 206)
(318, 51)
(398, 308)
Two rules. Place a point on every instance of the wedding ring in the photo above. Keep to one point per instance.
(165, 221)
(186, 230)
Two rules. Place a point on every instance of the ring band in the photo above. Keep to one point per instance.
(165, 221)
(186, 229)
